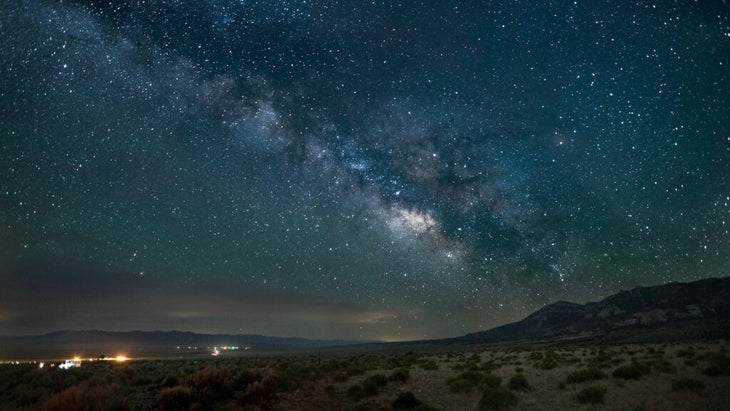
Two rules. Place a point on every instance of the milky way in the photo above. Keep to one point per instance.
(354, 169)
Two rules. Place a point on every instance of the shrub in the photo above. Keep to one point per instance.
(340, 377)
(640, 407)
(604, 360)
(489, 365)
(379, 380)
(465, 382)
(116, 403)
(291, 375)
(80, 397)
(355, 371)
(472, 376)
(330, 390)
(243, 378)
(719, 364)
(428, 365)
(591, 395)
(491, 380)
(589, 374)
(406, 401)
(27, 395)
(536, 356)
(664, 366)
(458, 385)
(213, 379)
(211, 385)
(548, 363)
(518, 382)
(687, 353)
(400, 374)
(138, 380)
(356, 392)
(170, 380)
(175, 398)
(497, 398)
(261, 392)
(544, 361)
(713, 371)
(631, 371)
(370, 387)
(690, 384)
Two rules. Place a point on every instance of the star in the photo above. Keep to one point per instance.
(338, 172)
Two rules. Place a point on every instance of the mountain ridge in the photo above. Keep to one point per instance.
(704, 301)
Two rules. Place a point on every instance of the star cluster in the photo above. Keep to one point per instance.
(389, 170)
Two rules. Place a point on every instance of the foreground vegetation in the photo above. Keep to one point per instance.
(639, 377)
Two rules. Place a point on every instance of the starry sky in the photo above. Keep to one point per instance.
(354, 169)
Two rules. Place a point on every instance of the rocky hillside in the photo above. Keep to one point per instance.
(703, 301)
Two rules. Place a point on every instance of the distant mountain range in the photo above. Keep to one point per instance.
(94, 343)
(674, 310)
(699, 309)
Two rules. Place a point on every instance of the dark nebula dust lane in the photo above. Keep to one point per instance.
(387, 170)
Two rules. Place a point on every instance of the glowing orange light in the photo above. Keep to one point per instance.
(121, 358)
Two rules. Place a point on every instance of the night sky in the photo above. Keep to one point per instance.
(354, 169)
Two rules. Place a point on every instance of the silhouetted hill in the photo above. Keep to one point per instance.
(698, 304)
